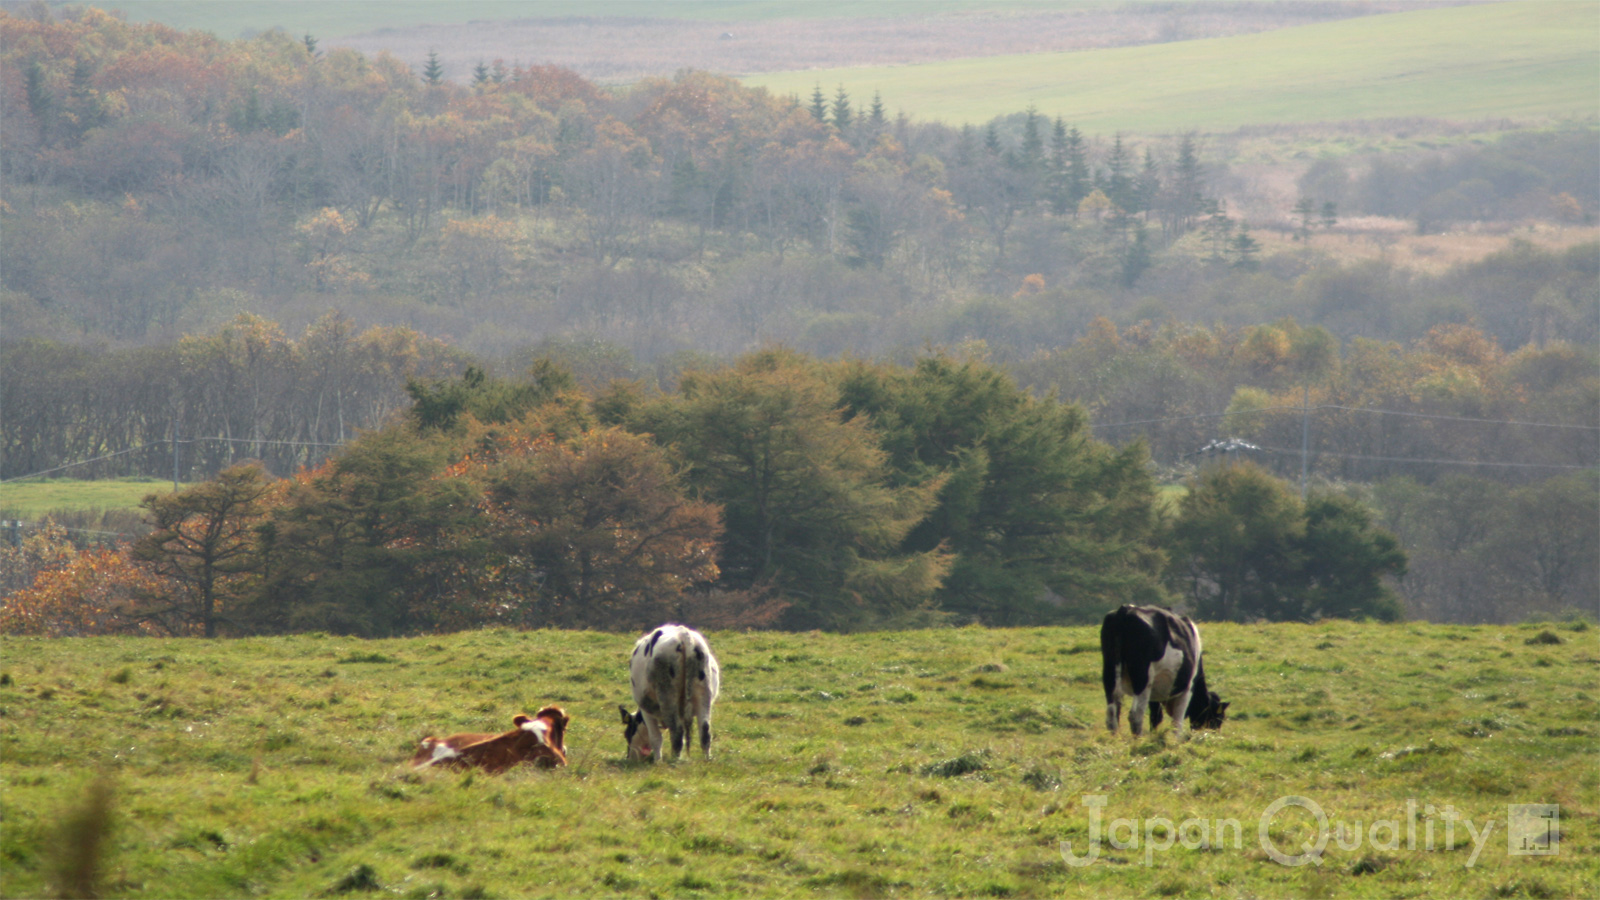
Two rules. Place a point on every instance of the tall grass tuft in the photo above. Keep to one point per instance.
(85, 832)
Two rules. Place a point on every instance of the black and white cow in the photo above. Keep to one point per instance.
(675, 682)
(1153, 654)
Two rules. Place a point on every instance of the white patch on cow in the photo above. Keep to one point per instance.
(540, 729)
(441, 750)
(1158, 688)
(675, 680)
(1162, 675)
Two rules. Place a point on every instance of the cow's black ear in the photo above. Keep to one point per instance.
(626, 719)
(1223, 707)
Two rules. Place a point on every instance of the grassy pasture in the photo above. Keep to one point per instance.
(34, 499)
(948, 763)
(1518, 60)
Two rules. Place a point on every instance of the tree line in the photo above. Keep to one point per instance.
(1361, 410)
(190, 408)
(781, 491)
(1389, 425)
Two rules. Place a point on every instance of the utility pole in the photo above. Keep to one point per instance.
(1305, 438)
(174, 452)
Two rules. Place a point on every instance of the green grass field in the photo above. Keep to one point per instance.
(924, 764)
(1515, 60)
(33, 499)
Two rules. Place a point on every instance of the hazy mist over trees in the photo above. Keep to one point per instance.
(221, 251)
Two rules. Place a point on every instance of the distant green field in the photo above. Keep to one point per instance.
(1518, 60)
(31, 499)
(329, 19)
(946, 763)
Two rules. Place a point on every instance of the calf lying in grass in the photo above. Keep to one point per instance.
(539, 739)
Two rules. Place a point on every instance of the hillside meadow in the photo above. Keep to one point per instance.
(43, 497)
(918, 764)
(1475, 62)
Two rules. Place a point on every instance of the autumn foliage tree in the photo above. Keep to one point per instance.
(365, 543)
(75, 593)
(204, 539)
(595, 531)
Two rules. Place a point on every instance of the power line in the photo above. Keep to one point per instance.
(1220, 415)
(1344, 409)
(163, 446)
(263, 441)
(1416, 415)
(73, 465)
(1436, 462)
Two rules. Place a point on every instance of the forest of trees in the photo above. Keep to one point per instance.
(220, 251)
(782, 490)
(156, 183)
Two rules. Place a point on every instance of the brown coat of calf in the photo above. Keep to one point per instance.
(539, 739)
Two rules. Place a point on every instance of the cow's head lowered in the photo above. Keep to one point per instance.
(635, 735)
(1206, 710)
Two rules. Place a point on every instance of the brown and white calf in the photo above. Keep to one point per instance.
(675, 683)
(539, 739)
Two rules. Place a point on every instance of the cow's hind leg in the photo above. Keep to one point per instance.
(1113, 713)
(705, 738)
(1136, 713)
(1178, 707)
(1155, 716)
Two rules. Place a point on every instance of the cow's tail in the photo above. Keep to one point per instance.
(681, 688)
(1110, 653)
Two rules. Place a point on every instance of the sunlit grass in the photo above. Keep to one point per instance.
(1519, 60)
(32, 499)
(945, 763)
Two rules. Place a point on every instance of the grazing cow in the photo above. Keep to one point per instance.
(1152, 654)
(539, 739)
(675, 682)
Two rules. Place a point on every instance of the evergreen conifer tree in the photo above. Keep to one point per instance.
(1077, 168)
(433, 72)
(1185, 199)
(1118, 186)
(1330, 214)
(1032, 140)
(877, 116)
(1245, 249)
(842, 114)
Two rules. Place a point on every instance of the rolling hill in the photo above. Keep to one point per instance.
(1522, 60)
